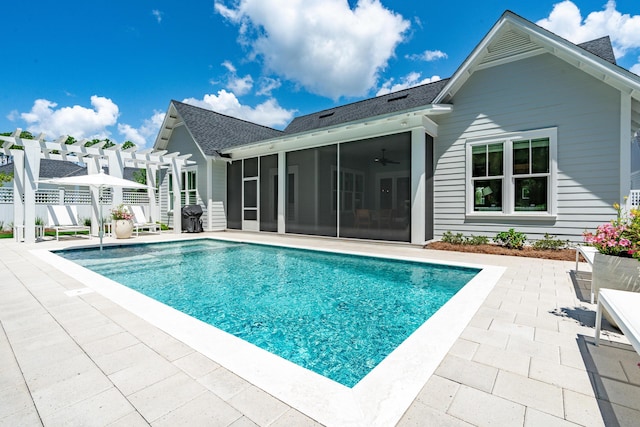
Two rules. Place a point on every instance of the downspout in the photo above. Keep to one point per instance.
(625, 146)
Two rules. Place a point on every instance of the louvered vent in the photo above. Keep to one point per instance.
(509, 44)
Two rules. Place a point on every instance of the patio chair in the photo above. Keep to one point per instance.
(65, 218)
(362, 218)
(140, 221)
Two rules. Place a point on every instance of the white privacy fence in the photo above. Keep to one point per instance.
(633, 201)
(80, 198)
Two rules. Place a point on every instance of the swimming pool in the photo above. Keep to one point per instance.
(337, 315)
(379, 399)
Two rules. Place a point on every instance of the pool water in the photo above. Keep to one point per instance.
(337, 315)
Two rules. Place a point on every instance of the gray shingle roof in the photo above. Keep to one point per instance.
(215, 132)
(60, 169)
(52, 169)
(600, 47)
(406, 99)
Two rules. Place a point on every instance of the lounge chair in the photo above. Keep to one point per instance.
(140, 221)
(65, 218)
(622, 306)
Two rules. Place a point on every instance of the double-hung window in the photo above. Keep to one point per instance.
(512, 174)
(188, 190)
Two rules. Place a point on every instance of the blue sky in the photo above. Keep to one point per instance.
(109, 68)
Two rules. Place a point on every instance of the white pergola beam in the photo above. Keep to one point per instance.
(27, 168)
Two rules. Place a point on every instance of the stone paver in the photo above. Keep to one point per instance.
(484, 409)
(526, 357)
(206, 409)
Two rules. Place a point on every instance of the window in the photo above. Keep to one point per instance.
(512, 174)
(188, 190)
(352, 189)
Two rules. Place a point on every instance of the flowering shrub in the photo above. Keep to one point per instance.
(620, 237)
(120, 212)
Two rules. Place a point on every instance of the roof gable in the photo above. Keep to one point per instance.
(513, 38)
(212, 131)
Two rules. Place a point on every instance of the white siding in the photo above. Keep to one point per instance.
(219, 195)
(181, 141)
(534, 93)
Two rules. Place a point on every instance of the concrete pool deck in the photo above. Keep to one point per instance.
(70, 356)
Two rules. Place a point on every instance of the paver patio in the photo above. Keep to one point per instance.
(526, 359)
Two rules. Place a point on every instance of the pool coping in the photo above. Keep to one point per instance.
(379, 399)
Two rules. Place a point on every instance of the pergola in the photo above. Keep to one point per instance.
(27, 153)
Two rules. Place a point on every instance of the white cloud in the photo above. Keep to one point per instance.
(428, 55)
(157, 14)
(13, 115)
(623, 29)
(323, 45)
(229, 66)
(267, 85)
(410, 80)
(269, 113)
(240, 85)
(77, 121)
(636, 68)
(145, 134)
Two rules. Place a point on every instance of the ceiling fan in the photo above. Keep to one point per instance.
(384, 161)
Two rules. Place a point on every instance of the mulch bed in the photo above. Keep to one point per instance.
(560, 254)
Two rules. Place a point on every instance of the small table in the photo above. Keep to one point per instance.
(107, 229)
(18, 232)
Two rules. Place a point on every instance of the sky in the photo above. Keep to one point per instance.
(109, 68)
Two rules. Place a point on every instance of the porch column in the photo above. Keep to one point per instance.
(209, 194)
(18, 187)
(31, 177)
(176, 177)
(152, 176)
(93, 167)
(626, 136)
(282, 188)
(418, 165)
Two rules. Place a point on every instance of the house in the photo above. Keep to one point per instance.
(532, 132)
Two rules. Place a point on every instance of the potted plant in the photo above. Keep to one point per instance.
(122, 222)
(616, 265)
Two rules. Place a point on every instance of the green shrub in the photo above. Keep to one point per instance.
(550, 242)
(511, 239)
(460, 239)
(477, 240)
(454, 239)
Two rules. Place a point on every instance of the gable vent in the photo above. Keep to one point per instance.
(509, 44)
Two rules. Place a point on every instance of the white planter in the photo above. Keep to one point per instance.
(615, 273)
(122, 228)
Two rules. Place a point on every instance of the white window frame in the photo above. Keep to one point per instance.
(184, 191)
(508, 177)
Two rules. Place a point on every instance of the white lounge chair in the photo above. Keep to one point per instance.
(622, 306)
(140, 221)
(65, 218)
